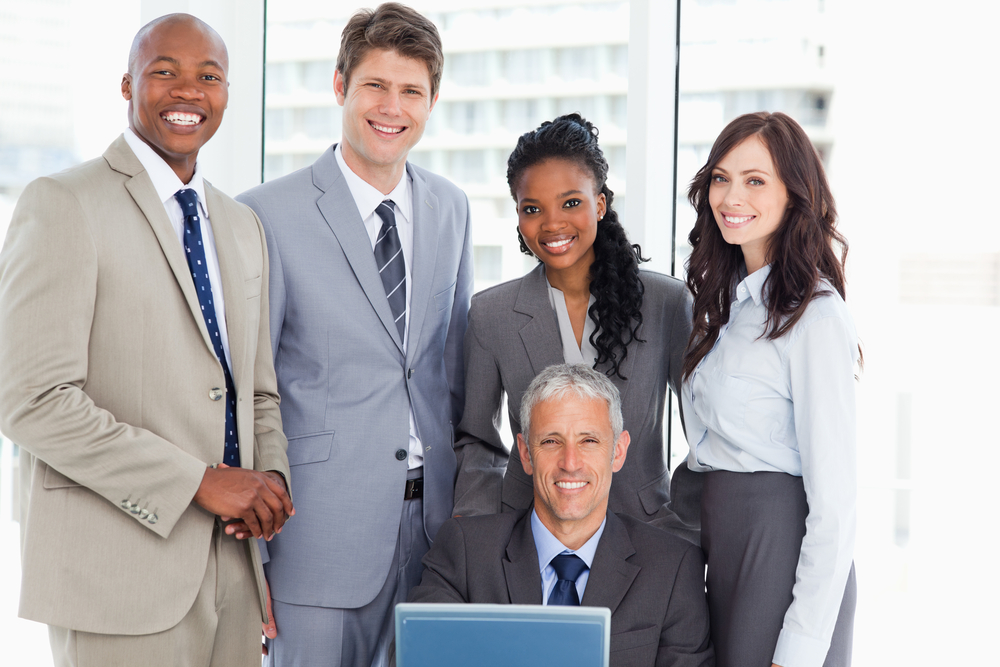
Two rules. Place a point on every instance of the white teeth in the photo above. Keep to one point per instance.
(390, 130)
(557, 244)
(181, 118)
(737, 221)
(571, 485)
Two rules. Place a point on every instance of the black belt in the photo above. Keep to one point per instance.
(414, 489)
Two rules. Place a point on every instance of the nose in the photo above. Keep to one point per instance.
(551, 220)
(391, 104)
(187, 88)
(734, 196)
(570, 458)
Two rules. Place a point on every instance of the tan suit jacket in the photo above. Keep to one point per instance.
(107, 384)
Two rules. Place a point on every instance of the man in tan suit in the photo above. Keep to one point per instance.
(129, 371)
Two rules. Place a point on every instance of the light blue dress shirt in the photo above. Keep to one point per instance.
(548, 547)
(787, 405)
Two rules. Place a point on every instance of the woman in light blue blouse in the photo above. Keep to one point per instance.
(768, 397)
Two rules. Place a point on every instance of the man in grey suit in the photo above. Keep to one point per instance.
(136, 367)
(569, 549)
(371, 278)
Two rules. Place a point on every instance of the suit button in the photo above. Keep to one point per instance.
(152, 518)
(126, 504)
(215, 394)
(143, 514)
(135, 508)
(400, 454)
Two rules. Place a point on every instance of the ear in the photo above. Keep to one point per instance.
(433, 102)
(621, 448)
(339, 87)
(522, 449)
(127, 86)
(602, 205)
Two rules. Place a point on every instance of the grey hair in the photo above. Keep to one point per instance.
(582, 380)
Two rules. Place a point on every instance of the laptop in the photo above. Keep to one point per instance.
(501, 635)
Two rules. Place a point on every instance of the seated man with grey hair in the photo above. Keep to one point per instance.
(568, 549)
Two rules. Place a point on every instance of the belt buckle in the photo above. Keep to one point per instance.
(414, 489)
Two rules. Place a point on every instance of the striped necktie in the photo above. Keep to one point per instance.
(391, 266)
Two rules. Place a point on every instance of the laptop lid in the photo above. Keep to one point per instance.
(500, 635)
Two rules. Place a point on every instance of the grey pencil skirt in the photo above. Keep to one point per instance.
(752, 526)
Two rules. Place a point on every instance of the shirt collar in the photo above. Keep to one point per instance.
(367, 197)
(548, 546)
(164, 179)
(753, 285)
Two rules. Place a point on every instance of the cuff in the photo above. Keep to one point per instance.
(797, 650)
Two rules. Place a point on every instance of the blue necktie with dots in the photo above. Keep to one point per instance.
(568, 569)
(194, 249)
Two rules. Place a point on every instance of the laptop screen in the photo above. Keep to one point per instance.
(500, 635)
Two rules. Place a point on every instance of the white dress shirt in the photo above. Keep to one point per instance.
(787, 405)
(167, 184)
(584, 353)
(548, 547)
(367, 198)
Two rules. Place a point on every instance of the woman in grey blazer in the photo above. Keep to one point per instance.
(586, 301)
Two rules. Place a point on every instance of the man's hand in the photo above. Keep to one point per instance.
(269, 629)
(258, 499)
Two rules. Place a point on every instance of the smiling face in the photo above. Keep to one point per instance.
(177, 90)
(558, 208)
(573, 454)
(386, 105)
(748, 199)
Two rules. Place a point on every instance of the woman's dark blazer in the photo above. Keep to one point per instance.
(513, 335)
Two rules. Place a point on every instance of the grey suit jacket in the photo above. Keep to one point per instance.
(346, 384)
(107, 372)
(513, 335)
(652, 582)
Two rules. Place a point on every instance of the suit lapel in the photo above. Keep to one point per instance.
(611, 575)
(426, 224)
(121, 158)
(520, 565)
(349, 228)
(233, 289)
(540, 336)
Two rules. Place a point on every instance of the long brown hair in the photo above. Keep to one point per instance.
(801, 251)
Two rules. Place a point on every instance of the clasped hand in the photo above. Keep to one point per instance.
(258, 500)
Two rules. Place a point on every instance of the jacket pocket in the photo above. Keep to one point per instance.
(654, 495)
(251, 287)
(56, 480)
(623, 641)
(443, 300)
(312, 448)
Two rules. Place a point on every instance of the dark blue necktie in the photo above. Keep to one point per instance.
(391, 266)
(568, 569)
(194, 249)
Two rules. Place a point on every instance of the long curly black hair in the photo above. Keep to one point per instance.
(614, 275)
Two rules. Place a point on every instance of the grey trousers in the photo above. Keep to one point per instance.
(325, 637)
(752, 525)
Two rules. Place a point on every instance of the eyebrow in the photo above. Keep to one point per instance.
(384, 82)
(174, 61)
(559, 196)
(746, 171)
